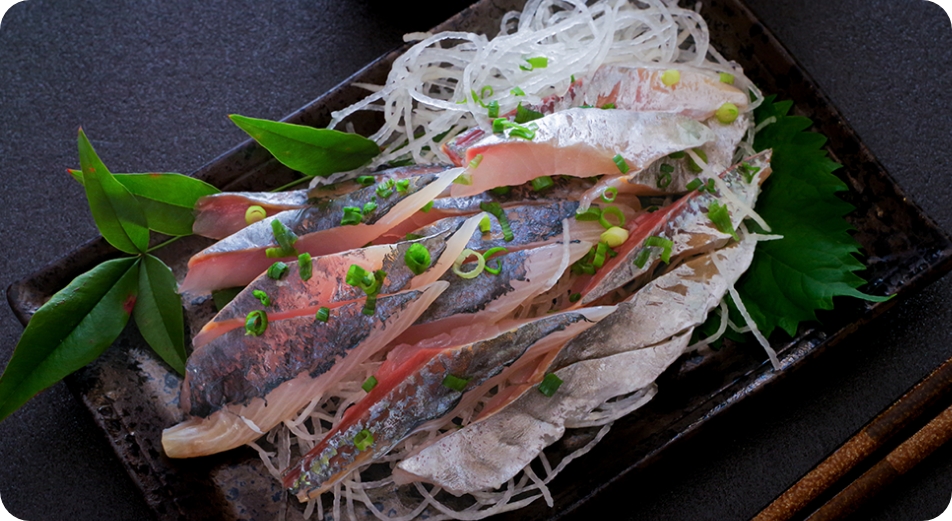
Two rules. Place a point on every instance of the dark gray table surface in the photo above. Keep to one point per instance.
(151, 83)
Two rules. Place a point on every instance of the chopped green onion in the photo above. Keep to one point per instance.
(676, 155)
(642, 257)
(464, 178)
(256, 323)
(727, 113)
(385, 189)
(254, 214)
(277, 270)
(652, 209)
(476, 161)
(572, 78)
(501, 190)
(614, 236)
(262, 297)
(489, 253)
(305, 267)
(748, 171)
(275, 253)
(694, 167)
(621, 163)
(592, 214)
(525, 115)
(550, 384)
(516, 91)
(493, 109)
(670, 77)
(660, 242)
(721, 217)
(575, 297)
(369, 384)
(709, 187)
(496, 211)
(323, 314)
(539, 62)
(600, 251)
(412, 237)
(369, 207)
(499, 125)
(403, 185)
(664, 179)
(417, 258)
(485, 224)
(477, 99)
(366, 180)
(465, 254)
(666, 168)
(694, 185)
(527, 133)
(609, 194)
(727, 78)
(611, 210)
(363, 440)
(608, 106)
(455, 383)
(486, 92)
(353, 215)
(284, 237)
(427, 207)
(542, 183)
(357, 276)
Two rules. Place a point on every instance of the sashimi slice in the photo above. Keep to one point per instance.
(292, 296)
(580, 143)
(220, 215)
(239, 258)
(686, 223)
(697, 95)
(490, 298)
(621, 355)
(410, 394)
(240, 386)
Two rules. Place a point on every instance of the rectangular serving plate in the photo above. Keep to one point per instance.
(132, 396)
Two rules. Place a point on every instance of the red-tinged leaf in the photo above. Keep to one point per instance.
(116, 211)
(158, 312)
(71, 330)
(311, 151)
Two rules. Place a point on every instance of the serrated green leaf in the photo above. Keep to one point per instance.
(116, 211)
(816, 260)
(167, 199)
(158, 312)
(311, 151)
(71, 330)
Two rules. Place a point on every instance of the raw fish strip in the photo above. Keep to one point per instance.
(410, 393)
(489, 298)
(220, 215)
(240, 386)
(291, 296)
(624, 353)
(239, 258)
(580, 143)
(697, 95)
(685, 223)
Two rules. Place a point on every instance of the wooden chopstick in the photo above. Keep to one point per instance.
(858, 448)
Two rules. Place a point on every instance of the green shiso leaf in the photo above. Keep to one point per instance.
(116, 211)
(158, 312)
(311, 151)
(816, 260)
(72, 329)
(167, 199)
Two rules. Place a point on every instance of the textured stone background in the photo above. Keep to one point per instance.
(151, 83)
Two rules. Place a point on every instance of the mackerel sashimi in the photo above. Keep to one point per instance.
(320, 229)
(325, 286)
(239, 385)
(425, 384)
(621, 355)
(581, 143)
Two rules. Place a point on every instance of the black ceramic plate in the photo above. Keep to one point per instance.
(130, 393)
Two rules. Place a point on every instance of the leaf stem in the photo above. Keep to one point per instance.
(164, 243)
(292, 183)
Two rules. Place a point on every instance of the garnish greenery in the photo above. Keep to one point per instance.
(311, 151)
(816, 260)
